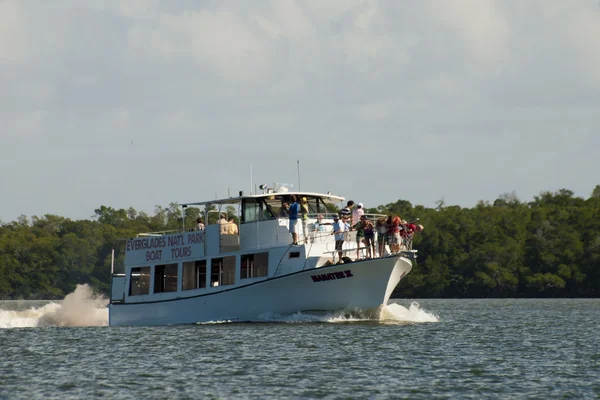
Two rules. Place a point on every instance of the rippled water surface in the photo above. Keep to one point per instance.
(438, 349)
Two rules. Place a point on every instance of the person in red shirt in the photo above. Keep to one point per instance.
(407, 233)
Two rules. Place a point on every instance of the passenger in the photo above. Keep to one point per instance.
(360, 236)
(223, 222)
(319, 224)
(369, 236)
(393, 233)
(293, 215)
(381, 235)
(356, 213)
(412, 228)
(283, 211)
(304, 212)
(199, 225)
(339, 228)
(347, 211)
(232, 228)
(408, 233)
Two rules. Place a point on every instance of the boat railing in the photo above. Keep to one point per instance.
(374, 217)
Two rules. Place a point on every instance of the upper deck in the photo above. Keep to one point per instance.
(262, 221)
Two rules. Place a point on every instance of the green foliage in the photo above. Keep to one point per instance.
(506, 248)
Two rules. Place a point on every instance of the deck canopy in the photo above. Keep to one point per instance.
(266, 206)
(235, 200)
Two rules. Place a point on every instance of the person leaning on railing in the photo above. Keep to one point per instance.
(408, 232)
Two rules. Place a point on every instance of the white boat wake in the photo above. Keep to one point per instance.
(84, 308)
(391, 313)
(80, 308)
(414, 313)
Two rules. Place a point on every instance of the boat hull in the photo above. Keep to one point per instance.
(364, 285)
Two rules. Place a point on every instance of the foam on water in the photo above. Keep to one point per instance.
(80, 308)
(388, 313)
(414, 313)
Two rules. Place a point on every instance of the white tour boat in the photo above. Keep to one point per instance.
(192, 276)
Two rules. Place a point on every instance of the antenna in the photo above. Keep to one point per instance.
(250, 178)
(298, 161)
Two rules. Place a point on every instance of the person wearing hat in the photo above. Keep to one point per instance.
(357, 213)
(339, 227)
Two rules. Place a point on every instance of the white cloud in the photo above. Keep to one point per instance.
(13, 35)
(22, 124)
(218, 38)
(373, 111)
(458, 84)
(583, 28)
(480, 24)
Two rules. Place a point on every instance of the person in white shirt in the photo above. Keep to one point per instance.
(232, 228)
(356, 214)
(339, 228)
(223, 222)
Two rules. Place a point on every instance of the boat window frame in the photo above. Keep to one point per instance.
(142, 277)
(263, 212)
(253, 270)
(224, 273)
(164, 280)
(196, 274)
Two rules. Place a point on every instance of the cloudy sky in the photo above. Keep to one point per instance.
(143, 103)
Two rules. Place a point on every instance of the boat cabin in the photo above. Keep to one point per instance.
(188, 262)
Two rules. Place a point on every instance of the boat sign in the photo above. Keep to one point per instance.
(164, 248)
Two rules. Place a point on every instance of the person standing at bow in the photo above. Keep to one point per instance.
(357, 213)
(293, 216)
(346, 212)
(339, 228)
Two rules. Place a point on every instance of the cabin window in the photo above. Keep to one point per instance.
(273, 205)
(165, 278)
(139, 281)
(254, 265)
(194, 275)
(255, 210)
(222, 271)
(251, 210)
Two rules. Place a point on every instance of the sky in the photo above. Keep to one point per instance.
(145, 103)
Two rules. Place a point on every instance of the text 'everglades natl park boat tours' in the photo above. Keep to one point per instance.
(222, 272)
